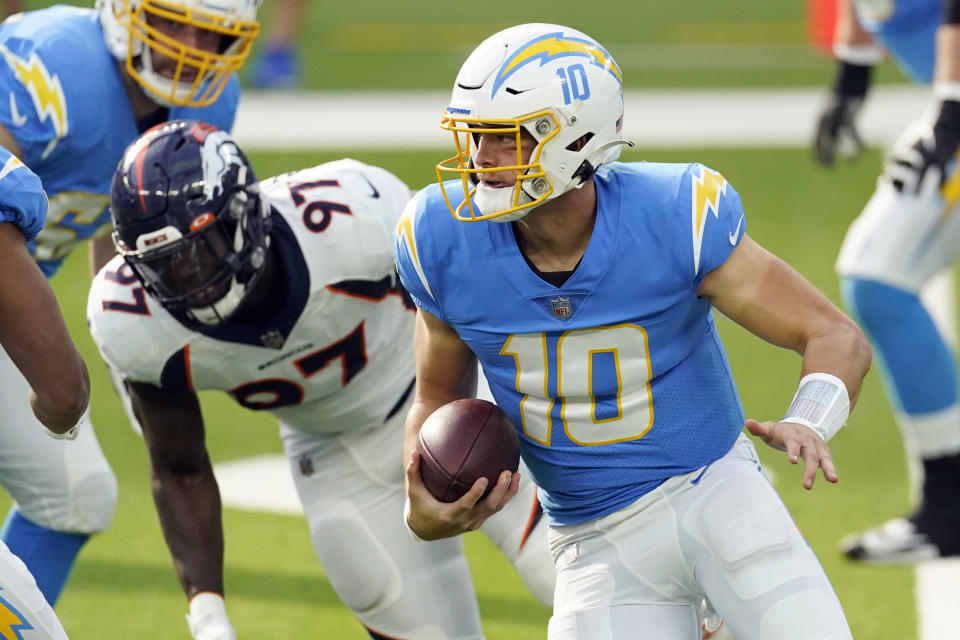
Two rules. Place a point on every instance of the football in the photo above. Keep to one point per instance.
(462, 441)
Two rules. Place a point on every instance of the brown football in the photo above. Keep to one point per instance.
(462, 441)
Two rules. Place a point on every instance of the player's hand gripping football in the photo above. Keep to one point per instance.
(431, 519)
(799, 442)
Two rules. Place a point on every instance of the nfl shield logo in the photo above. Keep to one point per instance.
(561, 307)
(272, 339)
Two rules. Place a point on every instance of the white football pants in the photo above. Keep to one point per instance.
(62, 485)
(723, 534)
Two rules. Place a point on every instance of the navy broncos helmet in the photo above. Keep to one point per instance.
(189, 219)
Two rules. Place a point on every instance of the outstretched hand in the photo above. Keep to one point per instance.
(799, 442)
(431, 519)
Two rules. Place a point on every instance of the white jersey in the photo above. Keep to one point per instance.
(338, 356)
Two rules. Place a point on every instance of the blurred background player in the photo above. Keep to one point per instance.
(602, 348)
(864, 31)
(278, 65)
(891, 254)
(54, 377)
(284, 295)
(81, 84)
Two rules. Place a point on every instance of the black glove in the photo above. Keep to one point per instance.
(925, 150)
(836, 128)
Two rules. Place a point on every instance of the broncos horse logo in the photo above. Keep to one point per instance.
(218, 154)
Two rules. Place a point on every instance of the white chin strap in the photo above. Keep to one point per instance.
(490, 200)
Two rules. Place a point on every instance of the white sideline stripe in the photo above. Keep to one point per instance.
(936, 592)
(309, 121)
(261, 483)
(655, 118)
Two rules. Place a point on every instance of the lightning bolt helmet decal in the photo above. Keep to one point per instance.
(552, 46)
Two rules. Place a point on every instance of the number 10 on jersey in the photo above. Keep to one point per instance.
(602, 380)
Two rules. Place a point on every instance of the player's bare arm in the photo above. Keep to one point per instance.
(184, 488)
(766, 296)
(948, 52)
(34, 335)
(446, 371)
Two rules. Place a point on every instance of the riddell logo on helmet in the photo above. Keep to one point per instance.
(157, 239)
(201, 221)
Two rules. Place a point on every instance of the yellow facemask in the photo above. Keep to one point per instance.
(532, 187)
(165, 32)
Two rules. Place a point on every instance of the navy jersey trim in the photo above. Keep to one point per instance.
(175, 376)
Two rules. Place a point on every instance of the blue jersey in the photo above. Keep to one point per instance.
(906, 29)
(616, 380)
(22, 200)
(65, 104)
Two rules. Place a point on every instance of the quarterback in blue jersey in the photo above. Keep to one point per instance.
(893, 263)
(584, 288)
(35, 340)
(79, 86)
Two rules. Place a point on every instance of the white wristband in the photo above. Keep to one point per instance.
(865, 55)
(946, 90)
(406, 515)
(69, 434)
(821, 403)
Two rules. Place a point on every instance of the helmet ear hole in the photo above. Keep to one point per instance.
(580, 142)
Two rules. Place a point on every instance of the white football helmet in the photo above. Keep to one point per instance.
(557, 84)
(132, 37)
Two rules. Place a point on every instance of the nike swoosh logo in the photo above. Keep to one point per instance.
(374, 193)
(736, 232)
(18, 119)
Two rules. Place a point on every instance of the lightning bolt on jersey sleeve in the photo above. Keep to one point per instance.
(409, 250)
(711, 210)
(22, 200)
(64, 102)
(37, 55)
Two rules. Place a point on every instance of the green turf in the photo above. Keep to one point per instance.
(124, 585)
(385, 44)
